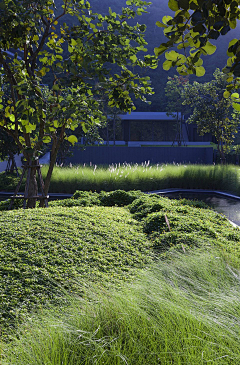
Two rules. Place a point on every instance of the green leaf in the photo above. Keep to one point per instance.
(209, 48)
(231, 43)
(159, 50)
(161, 25)
(236, 106)
(172, 55)
(73, 42)
(83, 125)
(233, 23)
(200, 71)
(133, 58)
(229, 62)
(44, 60)
(56, 123)
(173, 5)
(72, 139)
(12, 117)
(46, 139)
(166, 19)
(226, 94)
(235, 96)
(167, 65)
(7, 113)
(29, 128)
(199, 62)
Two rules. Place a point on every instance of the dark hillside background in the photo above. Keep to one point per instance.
(154, 37)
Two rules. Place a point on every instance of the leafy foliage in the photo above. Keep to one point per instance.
(194, 25)
(45, 252)
(212, 110)
(119, 197)
(34, 114)
(174, 91)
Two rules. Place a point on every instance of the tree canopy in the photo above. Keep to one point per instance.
(191, 31)
(32, 45)
(174, 91)
(212, 111)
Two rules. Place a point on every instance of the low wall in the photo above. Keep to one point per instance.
(108, 155)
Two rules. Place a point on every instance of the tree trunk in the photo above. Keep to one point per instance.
(107, 135)
(53, 158)
(11, 162)
(31, 188)
(221, 153)
(114, 130)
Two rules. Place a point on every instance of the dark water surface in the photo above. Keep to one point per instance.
(228, 206)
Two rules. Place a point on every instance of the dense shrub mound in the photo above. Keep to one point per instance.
(147, 204)
(118, 198)
(173, 223)
(46, 251)
(75, 242)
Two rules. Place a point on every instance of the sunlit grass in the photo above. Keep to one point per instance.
(185, 310)
(145, 177)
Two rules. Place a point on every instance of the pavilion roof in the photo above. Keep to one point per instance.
(147, 116)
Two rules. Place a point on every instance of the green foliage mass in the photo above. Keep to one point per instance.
(192, 30)
(210, 107)
(183, 310)
(46, 253)
(136, 177)
(154, 34)
(78, 57)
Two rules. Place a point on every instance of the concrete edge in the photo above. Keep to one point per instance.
(166, 191)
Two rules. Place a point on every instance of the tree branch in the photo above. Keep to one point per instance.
(61, 15)
(33, 57)
(7, 70)
(12, 134)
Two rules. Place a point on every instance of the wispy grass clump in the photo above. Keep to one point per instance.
(182, 311)
(145, 177)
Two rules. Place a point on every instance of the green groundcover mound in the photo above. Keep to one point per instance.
(102, 238)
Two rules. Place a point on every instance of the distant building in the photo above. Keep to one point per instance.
(146, 137)
(159, 127)
(148, 126)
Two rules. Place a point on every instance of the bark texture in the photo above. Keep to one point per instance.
(32, 187)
